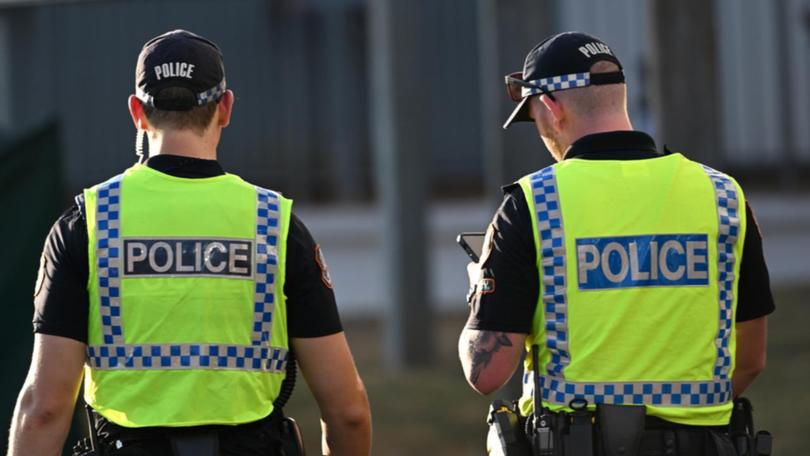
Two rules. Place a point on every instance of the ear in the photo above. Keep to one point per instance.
(555, 109)
(137, 114)
(225, 108)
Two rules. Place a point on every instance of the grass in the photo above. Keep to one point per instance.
(781, 395)
(427, 410)
(432, 411)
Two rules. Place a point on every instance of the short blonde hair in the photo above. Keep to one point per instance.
(196, 119)
(596, 99)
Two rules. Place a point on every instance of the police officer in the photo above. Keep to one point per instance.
(638, 274)
(178, 291)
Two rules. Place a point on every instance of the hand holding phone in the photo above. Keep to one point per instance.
(472, 243)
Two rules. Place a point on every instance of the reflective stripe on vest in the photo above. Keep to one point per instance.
(552, 250)
(115, 354)
(729, 229)
(555, 388)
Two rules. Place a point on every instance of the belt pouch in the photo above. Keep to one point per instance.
(195, 443)
(292, 442)
(621, 428)
(506, 436)
(579, 440)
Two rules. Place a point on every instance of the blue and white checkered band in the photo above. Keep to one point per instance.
(203, 98)
(108, 259)
(661, 394)
(554, 83)
(728, 232)
(552, 257)
(267, 217)
(114, 353)
(187, 356)
(145, 98)
(212, 94)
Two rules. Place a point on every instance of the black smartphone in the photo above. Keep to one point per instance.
(472, 243)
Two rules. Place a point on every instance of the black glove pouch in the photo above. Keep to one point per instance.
(621, 428)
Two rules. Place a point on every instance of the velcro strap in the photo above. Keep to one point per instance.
(616, 77)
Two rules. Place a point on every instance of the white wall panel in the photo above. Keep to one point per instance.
(752, 98)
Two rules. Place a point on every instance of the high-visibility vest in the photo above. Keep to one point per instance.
(187, 317)
(638, 262)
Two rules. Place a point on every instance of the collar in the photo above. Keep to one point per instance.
(187, 167)
(614, 145)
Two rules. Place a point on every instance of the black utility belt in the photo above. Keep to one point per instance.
(609, 430)
(275, 430)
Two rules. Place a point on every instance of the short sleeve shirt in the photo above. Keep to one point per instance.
(511, 259)
(61, 299)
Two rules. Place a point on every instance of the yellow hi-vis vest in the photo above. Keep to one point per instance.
(639, 262)
(187, 317)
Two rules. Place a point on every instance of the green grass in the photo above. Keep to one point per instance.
(781, 395)
(433, 411)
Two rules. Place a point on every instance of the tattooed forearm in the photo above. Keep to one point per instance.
(481, 348)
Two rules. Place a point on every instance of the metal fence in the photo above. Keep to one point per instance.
(300, 70)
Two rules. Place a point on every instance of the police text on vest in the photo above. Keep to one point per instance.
(188, 257)
(642, 261)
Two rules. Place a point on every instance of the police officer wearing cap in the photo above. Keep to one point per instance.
(633, 276)
(180, 293)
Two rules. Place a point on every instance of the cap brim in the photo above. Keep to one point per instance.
(520, 114)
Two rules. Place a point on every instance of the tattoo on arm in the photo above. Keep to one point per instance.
(481, 349)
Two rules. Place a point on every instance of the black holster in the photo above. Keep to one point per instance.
(292, 442)
(748, 442)
(506, 436)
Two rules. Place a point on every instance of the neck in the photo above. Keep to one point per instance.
(185, 143)
(618, 122)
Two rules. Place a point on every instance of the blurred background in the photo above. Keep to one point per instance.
(381, 118)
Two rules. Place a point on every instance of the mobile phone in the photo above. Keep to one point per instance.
(472, 243)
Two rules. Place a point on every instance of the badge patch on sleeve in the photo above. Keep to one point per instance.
(325, 277)
(486, 285)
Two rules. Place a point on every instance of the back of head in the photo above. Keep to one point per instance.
(597, 101)
(179, 78)
(576, 68)
(196, 119)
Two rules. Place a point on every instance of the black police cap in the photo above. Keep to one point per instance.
(561, 62)
(179, 59)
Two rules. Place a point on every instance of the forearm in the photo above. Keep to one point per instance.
(329, 370)
(45, 405)
(751, 351)
(349, 434)
(489, 358)
(37, 431)
(742, 379)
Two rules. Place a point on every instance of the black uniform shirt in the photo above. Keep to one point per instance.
(512, 264)
(61, 299)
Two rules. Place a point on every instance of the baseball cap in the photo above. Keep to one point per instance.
(179, 59)
(559, 62)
